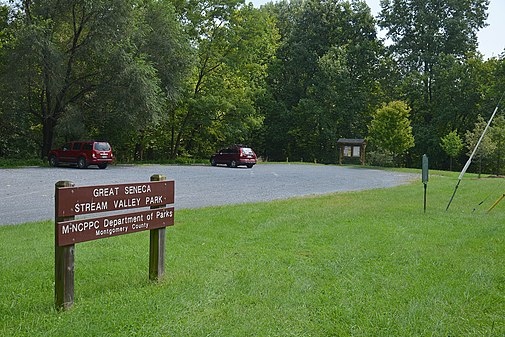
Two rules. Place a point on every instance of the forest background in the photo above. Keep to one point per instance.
(165, 79)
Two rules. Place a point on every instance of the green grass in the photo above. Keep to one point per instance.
(13, 163)
(351, 264)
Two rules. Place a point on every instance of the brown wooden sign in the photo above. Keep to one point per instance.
(71, 201)
(93, 199)
(71, 232)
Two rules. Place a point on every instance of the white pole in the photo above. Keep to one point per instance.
(469, 161)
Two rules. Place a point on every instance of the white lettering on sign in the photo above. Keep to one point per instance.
(105, 191)
(144, 225)
(80, 227)
(90, 207)
(127, 203)
(156, 200)
(122, 221)
(137, 189)
(164, 214)
(110, 231)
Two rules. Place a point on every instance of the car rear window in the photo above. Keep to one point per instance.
(247, 151)
(102, 146)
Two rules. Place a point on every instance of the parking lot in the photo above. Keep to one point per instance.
(28, 193)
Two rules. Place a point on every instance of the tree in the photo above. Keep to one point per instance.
(234, 42)
(486, 147)
(422, 30)
(433, 41)
(390, 128)
(497, 133)
(452, 145)
(83, 62)
(324, 80)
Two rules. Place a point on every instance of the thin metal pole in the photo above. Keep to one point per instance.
(425, 186)
(469, 161)
(496, 203)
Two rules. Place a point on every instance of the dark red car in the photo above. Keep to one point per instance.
(234, 156)
(82, 154)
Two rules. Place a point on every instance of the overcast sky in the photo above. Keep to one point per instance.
(491, 40)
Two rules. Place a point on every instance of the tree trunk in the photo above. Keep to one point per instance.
(48, 125)
(179, 135)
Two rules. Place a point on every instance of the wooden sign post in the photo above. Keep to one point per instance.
(73, 201)
(157, 245)
(63, 261)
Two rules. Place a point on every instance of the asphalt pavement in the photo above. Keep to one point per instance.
(27, 194)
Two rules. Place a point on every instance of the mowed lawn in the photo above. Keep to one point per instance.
(365, 263)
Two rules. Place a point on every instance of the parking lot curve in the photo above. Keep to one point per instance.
(28, 193)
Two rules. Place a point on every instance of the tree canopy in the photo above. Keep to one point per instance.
(169, 78)
(390, 128)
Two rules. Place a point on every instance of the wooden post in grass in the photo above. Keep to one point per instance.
(63, 261)
(157, 244)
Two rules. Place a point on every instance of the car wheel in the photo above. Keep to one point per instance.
(102, 166)
(53, 161)
(233, 164)
(213, 162)
(82, 163)
(250, 165)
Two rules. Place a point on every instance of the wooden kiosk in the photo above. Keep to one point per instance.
(351, 148)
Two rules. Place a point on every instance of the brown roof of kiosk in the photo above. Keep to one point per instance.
(357, 141)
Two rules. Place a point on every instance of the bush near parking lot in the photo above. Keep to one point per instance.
(363, 263)
(10, 163)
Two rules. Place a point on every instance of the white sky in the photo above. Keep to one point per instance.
(490, 43)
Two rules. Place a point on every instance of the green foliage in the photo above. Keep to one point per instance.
(424, 30)
(328, 50)
(435, 43)
(380, 158)
(497, 134)
(490, 152)
(452, 145)
(486, 146)
(166, 78)
(86, 61)
(390, 128)
(13, 163)
(234, 43)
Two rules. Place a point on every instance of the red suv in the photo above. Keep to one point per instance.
(82, 154)
(234, 156)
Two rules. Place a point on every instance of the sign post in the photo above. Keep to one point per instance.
(157, 245)
(425, 176)
(73, 201)
(63, 261)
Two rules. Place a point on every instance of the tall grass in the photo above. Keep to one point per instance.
(367, 263)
